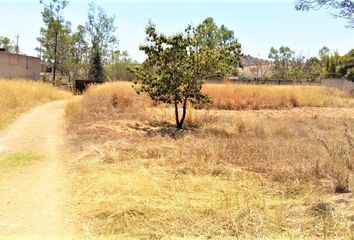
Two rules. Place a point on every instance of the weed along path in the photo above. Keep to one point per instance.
(32, 182)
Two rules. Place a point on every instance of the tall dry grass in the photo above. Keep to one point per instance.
(18, 95)
(119, 100)
(110, 100)
(236, 96)
(235, 174)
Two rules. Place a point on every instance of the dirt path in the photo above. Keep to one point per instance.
(32, 197)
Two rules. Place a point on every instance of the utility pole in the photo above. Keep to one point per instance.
(17, 48)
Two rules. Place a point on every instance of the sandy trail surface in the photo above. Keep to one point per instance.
(32, 197)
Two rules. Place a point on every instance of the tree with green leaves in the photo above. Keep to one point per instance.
(101, 29)
(119, 67)
(325, 54)
(324, 51)
(313, 69)
(177, 65)
(54, 36)
(79, 51)
(96, 66)
(213, 42)
(6, 43)
(282, 60)
(346, 65)
(330, 63)
(345, 8)
(296, 70)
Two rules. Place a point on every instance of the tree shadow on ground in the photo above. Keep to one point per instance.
(164, 129)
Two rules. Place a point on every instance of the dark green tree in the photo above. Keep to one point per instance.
(101, 29)
(96, 65)
(177, 65)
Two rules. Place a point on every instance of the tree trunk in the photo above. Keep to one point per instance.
(55, 56)
(178, 125)
(184, 112)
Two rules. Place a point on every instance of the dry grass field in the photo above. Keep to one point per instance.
(244, 174)
(235, 96)
(17, 96)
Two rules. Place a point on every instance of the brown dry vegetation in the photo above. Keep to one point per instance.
(236, 96)
(18, 95)
(243, 174)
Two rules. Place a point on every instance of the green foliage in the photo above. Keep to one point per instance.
(96, 67)
(346, 66)
(282, 60)
(287, 66)
(336, 66)
(70, 53)
(55, 36)
(313, 69)
(350, 74)
(334, 63)
(101, 28)
(324, 51)
(17, 159)
(119, 67)
(220, 52)
(176, 65)
(330, 63)
(79, 52)
(6, 43)
(296, 71)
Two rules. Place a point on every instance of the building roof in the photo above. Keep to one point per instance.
(4, 51)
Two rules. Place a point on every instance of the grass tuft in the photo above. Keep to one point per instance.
(116, 100)
(17, 159)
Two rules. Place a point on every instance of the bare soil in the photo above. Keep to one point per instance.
(33, 196)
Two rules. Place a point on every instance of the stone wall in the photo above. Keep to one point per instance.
(341, 84)
(19, 66)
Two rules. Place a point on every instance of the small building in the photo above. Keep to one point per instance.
(19, 66)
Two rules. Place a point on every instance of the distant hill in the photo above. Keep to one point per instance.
(249, 60)
(255, 67)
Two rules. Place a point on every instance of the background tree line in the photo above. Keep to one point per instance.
(285, 64)
(89, 51)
